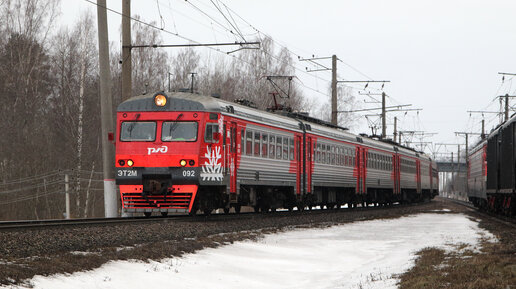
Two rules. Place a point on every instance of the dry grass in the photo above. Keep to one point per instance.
(493, 267)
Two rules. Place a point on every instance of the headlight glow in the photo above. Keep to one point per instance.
(160, 100)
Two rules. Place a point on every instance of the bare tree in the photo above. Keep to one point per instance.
(73, 62)
(149, 64)
(346, 101)
(186, 61)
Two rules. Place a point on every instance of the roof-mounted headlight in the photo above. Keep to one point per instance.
(160, 100)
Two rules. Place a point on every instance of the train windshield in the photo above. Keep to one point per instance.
(138, 131)
(179, 131)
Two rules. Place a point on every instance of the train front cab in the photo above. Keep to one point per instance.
(165, 159)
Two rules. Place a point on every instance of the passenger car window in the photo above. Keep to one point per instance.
(278, 147)
(291, 149)
(264, 145)
(285, 148)
(256, 144)
(248, 143)
(272, 140)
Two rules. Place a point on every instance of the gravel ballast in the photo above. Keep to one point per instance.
(30, 252)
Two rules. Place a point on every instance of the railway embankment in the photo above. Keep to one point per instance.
(25, 253)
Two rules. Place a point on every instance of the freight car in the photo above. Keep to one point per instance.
(180, 152)
(491, 170)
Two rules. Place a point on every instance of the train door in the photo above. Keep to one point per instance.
(431, 178)
(398, 173)
(309, 158)
(360, 163)
(358, 169)
(418, 176)
(226, 147)
(364, 170)
(233, 156)
(397, 176)
(299, 165)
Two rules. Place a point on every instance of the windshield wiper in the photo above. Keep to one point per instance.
(174, 125)
(132, 124)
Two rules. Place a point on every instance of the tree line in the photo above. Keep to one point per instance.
(49, 95)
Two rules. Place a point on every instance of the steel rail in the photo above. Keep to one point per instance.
(52, 223)
(510, 221)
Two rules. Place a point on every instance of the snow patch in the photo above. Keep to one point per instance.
(367, 254)
(442, 210)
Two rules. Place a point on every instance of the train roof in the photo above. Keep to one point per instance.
(183, 101)
(492, 134)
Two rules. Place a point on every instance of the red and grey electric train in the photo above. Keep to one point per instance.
(492, 170)
(181, 152)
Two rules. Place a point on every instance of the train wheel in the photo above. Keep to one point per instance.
(226, 210)
(147, 214)
(207, 212)
(164, 214)
(300, 208)
(238, 207)
(256, 209)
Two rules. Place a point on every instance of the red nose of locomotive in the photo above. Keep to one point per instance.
(157, 157)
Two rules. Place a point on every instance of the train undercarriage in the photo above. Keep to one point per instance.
(499, 203)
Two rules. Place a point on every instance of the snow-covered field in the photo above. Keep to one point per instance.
(365, 254)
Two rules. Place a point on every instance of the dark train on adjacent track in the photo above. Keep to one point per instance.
(492, 170)
(180, 152)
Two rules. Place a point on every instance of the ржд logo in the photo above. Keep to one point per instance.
(162, 149)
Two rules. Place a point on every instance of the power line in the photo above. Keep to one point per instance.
(191, 40)
(25, 188)
(26, 198)
(32, 178)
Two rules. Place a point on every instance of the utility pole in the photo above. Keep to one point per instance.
(506, 107)
(334, 89)
(506, 98)
(127, 83)
(483, 135)
(67, 196)
(333, 69)
(395, 127)
(414, 133)
(169, 74)
(192, 85)
(384, 122)
(467, 134)
(452, 176)
(106, 103)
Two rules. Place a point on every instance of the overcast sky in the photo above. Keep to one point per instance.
(441, 56)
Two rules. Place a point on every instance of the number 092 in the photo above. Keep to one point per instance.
(189, 173)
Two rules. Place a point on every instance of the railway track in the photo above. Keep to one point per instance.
(42, 224)
(499, 218)
(8, 225)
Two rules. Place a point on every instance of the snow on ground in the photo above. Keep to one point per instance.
(364, 254)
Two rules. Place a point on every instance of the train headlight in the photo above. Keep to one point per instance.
(130, 163)
(182, 163)
(121, 162)
(160, 100)
(191, 163)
